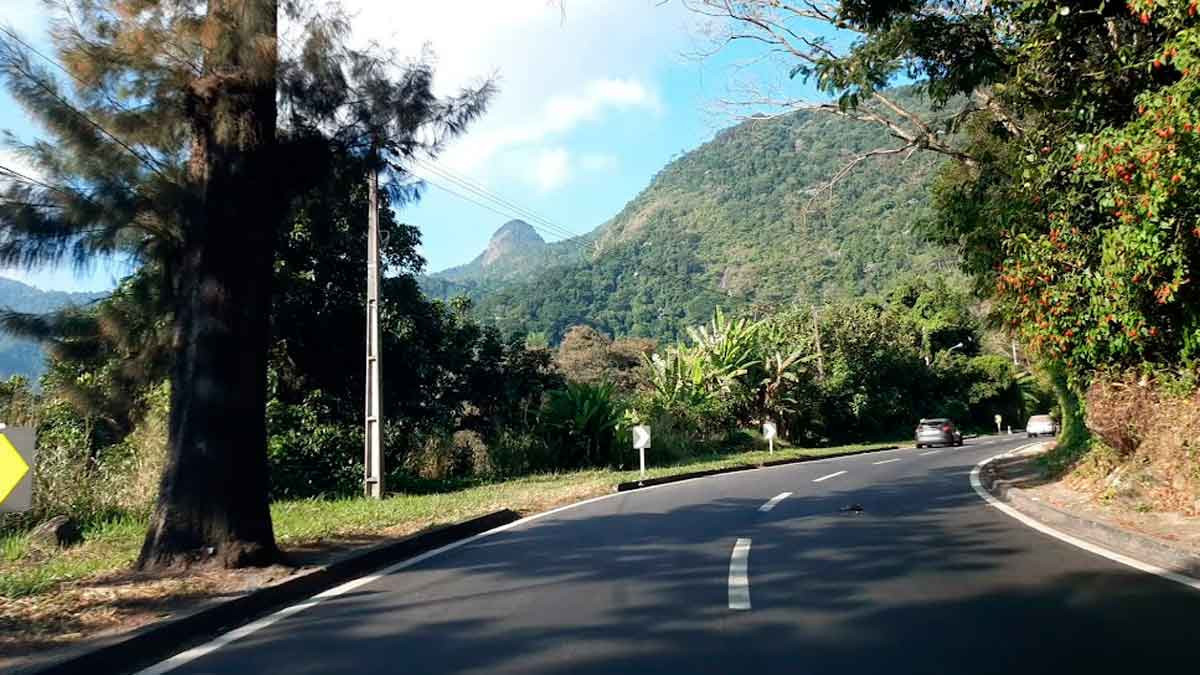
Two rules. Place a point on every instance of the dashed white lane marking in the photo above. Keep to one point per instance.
(774, 501)
(224, 639)
(832, 475)
(888, 461)
(931, 452)
(739, 577)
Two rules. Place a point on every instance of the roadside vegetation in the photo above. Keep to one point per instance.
(1070, 139)
(484, 408)
(111, 543)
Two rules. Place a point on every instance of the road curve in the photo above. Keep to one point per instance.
(926, 578)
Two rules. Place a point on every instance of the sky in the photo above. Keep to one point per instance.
(594, 97)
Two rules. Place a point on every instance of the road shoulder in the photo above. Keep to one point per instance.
(1013, 481)
(125, 651)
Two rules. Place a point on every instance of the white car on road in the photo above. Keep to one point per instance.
(1041, 425)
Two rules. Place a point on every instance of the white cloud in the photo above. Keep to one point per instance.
(555, 69)
(598, 161)
(552, 169)
(563, 112)
(18, 163)
(28, 17)
(557, 116)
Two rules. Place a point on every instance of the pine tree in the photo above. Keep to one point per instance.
(180, 136)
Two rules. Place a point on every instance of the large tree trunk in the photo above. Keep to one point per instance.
(213, 504)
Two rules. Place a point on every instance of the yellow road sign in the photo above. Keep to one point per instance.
(12, 468)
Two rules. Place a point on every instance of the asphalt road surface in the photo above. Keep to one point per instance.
(729, 574)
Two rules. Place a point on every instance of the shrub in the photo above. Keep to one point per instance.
(442, 455)
(581, 422)
(514, 453)
(1120, 411)
(587, 355)
(73, 477)
(310, 452)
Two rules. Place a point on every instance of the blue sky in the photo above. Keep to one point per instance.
(593, 101)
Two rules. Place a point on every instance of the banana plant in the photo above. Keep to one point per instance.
(729, 345)
(678, 376)
(779, 379)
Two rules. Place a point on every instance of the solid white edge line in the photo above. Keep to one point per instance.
(832, 475)
(224, 639)
(739, 575)
(931, 452)
(888, 461)
(1088, 546)
(774, 501)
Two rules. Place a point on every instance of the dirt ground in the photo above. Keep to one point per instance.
(1098, 500)
(1180, 530)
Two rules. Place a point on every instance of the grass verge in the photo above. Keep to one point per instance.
(111, 546)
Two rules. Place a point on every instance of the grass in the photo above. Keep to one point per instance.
(112, 545)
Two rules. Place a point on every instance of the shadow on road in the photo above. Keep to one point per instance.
(926, 580)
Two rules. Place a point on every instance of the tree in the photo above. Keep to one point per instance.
(589, 356)
(1072, 134)
(172, 149)
(853, 50)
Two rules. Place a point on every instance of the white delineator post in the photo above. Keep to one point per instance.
(641, 441)
(769, 432)
(373, 442)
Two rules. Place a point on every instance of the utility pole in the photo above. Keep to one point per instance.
(373, 442)
(817, 341)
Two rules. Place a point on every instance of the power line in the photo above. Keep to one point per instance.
(494, 208)
(481, 191)
(149, 163)
(577, 244)
(13, 173)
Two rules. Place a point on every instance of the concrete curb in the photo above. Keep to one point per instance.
(649, 482)
(129, 651)
(1132, 544)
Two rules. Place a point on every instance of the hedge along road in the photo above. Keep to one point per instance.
(926, 578)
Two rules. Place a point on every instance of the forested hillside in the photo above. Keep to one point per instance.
(515, 253)
(742, 219)
(24, 357)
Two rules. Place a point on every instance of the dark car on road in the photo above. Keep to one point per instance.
(938, 431)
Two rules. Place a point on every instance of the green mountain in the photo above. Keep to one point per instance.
(515, 253)
(24, 357)
(747, 218)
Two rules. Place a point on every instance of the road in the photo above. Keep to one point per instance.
(729, 574)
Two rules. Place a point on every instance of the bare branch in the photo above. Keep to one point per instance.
(993, 106)
(828, 186)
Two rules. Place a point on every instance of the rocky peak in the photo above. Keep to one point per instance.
(514, 237)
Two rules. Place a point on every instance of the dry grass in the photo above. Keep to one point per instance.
(1149, 455)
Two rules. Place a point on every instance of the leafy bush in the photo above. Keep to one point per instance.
(581, 424)
(72, 476)
(310, 451)
(851, 370)
(515, 453)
